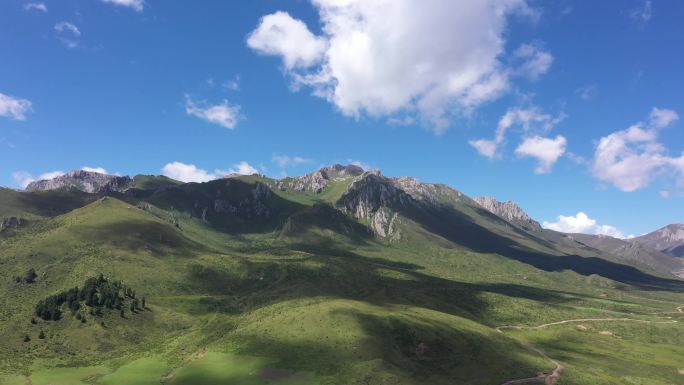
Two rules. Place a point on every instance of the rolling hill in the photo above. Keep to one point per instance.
(341, 276)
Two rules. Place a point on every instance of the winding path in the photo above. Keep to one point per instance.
(553, 377)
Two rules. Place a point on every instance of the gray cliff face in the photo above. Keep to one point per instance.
(375, 198)
(317, 181)
(509, 211)
(86, 181)
(669, 239)
(428, 193)
(248, 207)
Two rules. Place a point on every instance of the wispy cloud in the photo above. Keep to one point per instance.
(13, 107)
(41, 7)
(587, 92)
(643, 14)
(68, 34)
(286, 160)
(223, 114)
(136, 5)
(534, 124)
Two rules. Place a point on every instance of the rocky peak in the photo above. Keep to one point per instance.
(509, 211)
(317, 181)
(669, 239)
(431, 193)
(86, 181)
(376, 198)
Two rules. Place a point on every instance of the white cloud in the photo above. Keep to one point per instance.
(546, 150)
(432, 58)
(243, 168)
(13, 107)
(528, 119)
(630, 159)
(224, 114)
(94, 169)
(286, 160)
(36, 7)
(662, 117)
(68, 34)
(581, 223)
(137, 5)
(534, 60)
(281, 35)
(24, 178)
(665, 194)
(486, 147)
(190, 173)
(365, 166)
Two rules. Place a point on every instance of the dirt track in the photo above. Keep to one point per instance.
(553, 377)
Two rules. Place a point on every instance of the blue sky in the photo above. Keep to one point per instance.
(585, 96)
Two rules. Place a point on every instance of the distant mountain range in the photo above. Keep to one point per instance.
(385, 202)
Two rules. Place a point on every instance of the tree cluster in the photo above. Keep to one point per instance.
(99, 294)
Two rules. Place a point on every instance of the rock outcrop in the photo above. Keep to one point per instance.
(376, 199)
(11, 223)
(317, 181)
(86, 181)
(428, 193)
(509, 211)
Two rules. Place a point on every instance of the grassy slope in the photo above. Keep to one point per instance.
(313, 307)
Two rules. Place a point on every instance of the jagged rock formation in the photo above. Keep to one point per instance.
(317, 181)
(11, 223)
(429, 193)
(377, 199)
(86, 181)
(669, 239)
(509, 211)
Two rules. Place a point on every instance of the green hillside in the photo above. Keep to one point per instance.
(248, 284)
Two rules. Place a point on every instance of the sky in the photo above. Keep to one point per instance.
(571, 109)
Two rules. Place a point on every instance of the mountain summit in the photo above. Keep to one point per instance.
(86, 181)
(509, 211)
(669, 239)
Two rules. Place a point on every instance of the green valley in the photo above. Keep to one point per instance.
(337, 277)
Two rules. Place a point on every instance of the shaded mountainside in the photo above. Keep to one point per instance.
(338, 277)
(633, 252)
(669, 239)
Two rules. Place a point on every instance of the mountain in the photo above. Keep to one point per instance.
(510, 211)
(317, 181)
(341, 276)
(634, 252)
(86, 181)
(669, 239)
